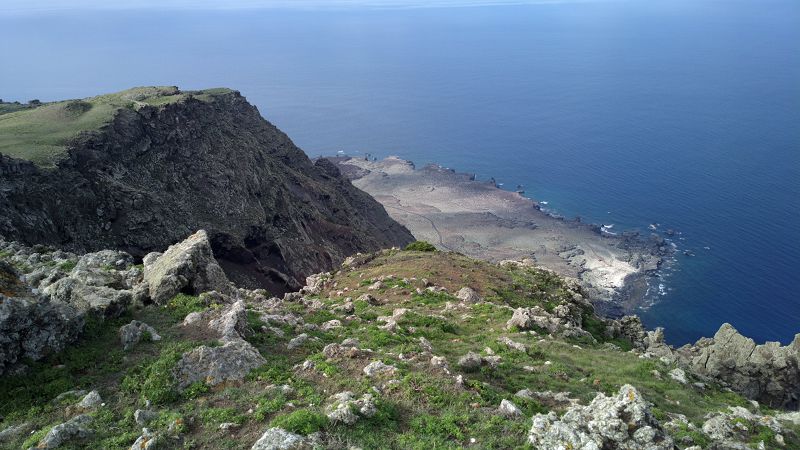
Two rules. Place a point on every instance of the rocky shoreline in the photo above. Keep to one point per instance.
(458, 213)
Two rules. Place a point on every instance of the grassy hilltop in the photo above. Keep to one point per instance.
(40, 133)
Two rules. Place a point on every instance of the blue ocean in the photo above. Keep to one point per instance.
(681, 113)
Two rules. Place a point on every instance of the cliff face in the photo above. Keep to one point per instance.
(155, 174)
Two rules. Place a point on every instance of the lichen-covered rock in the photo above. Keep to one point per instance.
(215, 365)
(467, 294)
(90, 401)
(279, 439)
(148, 441)
(678, 375)
(132, 333)
(518, 346)
(346, 408)
(727, 429)
(768, 373)
(73, 429)
(509, 409)
(143, 416)
(470, 362)
(377, 368)
(32, 326)
(188, 266)
(623, 421)
(297, 341)
(13, 432)
(231, 323)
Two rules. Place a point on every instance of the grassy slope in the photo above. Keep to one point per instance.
(40, 134)
(424, 410)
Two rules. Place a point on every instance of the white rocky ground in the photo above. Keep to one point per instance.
(455, 212)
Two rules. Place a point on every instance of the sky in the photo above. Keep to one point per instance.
(28, 6)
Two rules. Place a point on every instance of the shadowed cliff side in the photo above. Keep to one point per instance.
(160, 169)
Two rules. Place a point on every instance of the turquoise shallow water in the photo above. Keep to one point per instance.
(684, 113)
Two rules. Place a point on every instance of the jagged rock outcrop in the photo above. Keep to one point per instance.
(768, 372)
(155, 174)
(45, 295)
(188, 267)
(623, 421)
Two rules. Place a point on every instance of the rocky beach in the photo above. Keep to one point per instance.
(458, 213)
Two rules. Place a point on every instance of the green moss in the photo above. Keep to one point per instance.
(303, 421)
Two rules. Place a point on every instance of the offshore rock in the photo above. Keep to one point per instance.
(620, 422)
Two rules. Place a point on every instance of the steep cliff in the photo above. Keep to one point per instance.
(165, 163)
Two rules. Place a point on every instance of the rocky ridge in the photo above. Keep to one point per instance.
(167, 165)
(398, 348)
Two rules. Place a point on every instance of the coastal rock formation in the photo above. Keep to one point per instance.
(168, 165)
(456, 212)
(623, 421)
(768, 372)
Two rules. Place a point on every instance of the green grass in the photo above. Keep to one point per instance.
(420, 246)
(41, 134)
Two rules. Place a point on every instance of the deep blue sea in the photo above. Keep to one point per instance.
(680, 112)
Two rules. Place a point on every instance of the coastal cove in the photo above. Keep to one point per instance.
(680, 113)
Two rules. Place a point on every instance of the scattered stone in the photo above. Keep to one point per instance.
(232, 322)
(425, 345)
(278, 439)
(214, 365)
(346, 409)
(228, 426)
(518, 346)
(376, 368)
(468, 295)
(297, 341)
(678, 375)
(188, 265)
(143, 416)
(90, 401)
(13, 432)
(622, 421)
(132, 333)
(331, 324)
(147, 441)
(439, 362)
(73, 429)
(509, 409)
(470, 362)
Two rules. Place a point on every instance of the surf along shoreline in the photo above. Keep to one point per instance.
(457, 212)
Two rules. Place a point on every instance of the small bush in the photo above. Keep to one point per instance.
(183, 304)
(303, 421)
(155, 381)
(420, 246)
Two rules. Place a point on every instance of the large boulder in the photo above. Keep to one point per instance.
(188, 267)
(215, 365)
(623, 421)
(768, 372)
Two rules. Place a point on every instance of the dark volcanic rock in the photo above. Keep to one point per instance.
(156, 174)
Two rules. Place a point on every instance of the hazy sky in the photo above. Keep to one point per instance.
(56, 5)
